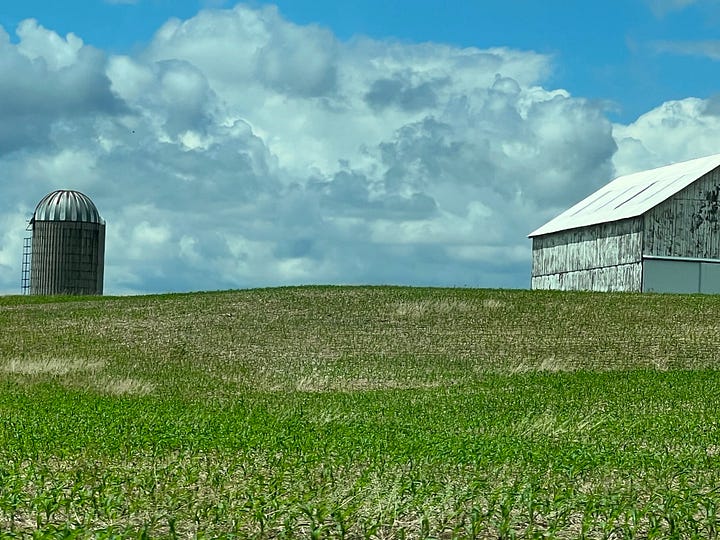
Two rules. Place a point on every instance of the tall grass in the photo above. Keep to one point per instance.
(366, 412)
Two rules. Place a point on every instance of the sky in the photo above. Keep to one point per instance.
(235, 145)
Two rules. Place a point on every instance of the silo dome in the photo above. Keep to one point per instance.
(66, 205)
(68, 245)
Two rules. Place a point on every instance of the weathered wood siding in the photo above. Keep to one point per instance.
(603, 257)
(625, 277)
(687, 224)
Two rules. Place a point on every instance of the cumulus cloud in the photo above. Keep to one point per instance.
(45, 79)
(239, 149)
(675, 131)
(399, 91)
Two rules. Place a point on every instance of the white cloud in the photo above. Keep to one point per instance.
(130, 79)
(37, 42)
(674, 131)
(240, 150)
(48, 83)
(13, 222)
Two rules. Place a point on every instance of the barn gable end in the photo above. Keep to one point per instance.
(686, 225)
(602, 257)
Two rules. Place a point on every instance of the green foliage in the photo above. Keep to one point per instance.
(360, 412)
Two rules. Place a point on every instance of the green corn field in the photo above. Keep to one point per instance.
(360, 412)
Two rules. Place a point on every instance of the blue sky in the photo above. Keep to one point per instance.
(257, 144)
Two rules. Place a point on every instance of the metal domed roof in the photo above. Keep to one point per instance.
(66, 205)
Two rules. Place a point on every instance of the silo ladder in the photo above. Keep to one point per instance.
(27, 253)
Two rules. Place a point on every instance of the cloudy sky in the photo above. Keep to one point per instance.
(410, 142)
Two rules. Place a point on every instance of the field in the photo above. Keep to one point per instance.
(360, 412)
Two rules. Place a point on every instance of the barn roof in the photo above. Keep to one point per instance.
(631, 195)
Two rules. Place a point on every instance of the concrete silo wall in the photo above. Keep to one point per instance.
(68, 257)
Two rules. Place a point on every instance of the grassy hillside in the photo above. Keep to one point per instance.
(370, 412)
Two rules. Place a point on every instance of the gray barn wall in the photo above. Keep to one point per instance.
(68, 257)
(681, 276)
(603, 257)
(686, 225)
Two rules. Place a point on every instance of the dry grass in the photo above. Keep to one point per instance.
(320, 339)
(50, 366)
(430, 308)
(122, 386)
(336, 384)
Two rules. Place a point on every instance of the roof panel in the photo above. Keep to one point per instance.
(66, 205)
(630, 195)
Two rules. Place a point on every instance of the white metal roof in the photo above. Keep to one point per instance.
(631, 195)
(66, 205)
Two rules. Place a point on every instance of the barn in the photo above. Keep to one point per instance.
(654, 231)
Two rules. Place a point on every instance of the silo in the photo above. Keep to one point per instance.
(68, 245)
